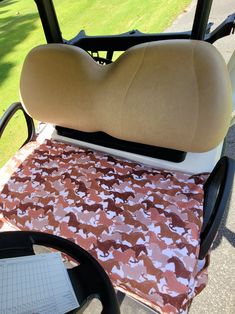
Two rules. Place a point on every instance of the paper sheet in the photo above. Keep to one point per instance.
(35, 284)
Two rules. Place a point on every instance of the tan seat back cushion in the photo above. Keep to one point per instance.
(173, 94)
(231, 68)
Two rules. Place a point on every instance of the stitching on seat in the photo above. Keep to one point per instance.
(134, 76)
(198, 97)
(132, 80)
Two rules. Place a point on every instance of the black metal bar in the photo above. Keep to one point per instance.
(109, 55)
(49, 21)
(216, 194)
(201, 19)
(224, 29)
(8, 114)
(120, 42)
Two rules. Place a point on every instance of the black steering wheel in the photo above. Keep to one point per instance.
(89, 280)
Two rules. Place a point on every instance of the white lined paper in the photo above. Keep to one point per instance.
(35, 284)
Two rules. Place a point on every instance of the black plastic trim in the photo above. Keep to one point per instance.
(224, 29)
(103, 139)
(131, 38)
(216, 194)
(9, 113)
(120, 42)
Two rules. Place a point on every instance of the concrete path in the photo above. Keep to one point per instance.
(219, 11)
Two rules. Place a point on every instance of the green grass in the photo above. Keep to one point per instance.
(20, 30)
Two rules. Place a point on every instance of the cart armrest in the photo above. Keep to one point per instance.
(9, 113)
(216, 194)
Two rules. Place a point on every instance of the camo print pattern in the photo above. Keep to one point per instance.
(142, 224)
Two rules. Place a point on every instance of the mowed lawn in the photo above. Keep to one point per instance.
(20, 30)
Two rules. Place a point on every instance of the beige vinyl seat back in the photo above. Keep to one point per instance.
(174, 94)
(231, 68)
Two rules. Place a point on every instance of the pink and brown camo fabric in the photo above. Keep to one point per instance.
(142, 224)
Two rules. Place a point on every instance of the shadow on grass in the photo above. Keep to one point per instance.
(3, 11)
(5, 3)
(13, 31)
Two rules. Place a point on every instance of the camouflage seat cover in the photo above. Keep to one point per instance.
(142, 224)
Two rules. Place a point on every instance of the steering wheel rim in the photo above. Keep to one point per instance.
(15, 241)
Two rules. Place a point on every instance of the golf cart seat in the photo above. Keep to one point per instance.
(148, 227)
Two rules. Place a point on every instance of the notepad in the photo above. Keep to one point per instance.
(35, 284)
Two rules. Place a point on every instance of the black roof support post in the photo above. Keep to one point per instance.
(49, 21)
(201, 19)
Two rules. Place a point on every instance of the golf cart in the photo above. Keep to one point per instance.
(129, 164)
